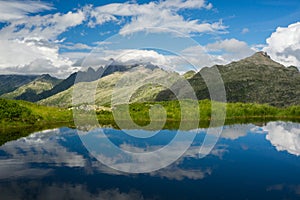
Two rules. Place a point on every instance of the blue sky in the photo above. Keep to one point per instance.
(57, 36)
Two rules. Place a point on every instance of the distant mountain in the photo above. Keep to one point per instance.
(9, 83)
(37, 86)
(256, 79)
(87, 76)
(107, 85)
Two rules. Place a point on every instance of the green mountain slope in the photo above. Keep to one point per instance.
(112, 83)
(37, 86)
(9, 83)
(256, 79)
(82, 76)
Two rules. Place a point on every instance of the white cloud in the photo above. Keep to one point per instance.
(124, 56)
(27, 51)
(29, 44)
(77, 46)
(284, 45)
(200, 57)
(159, 16)
(34, 56)
(34, 38)
(11, 10)
(231, 46)
(220, 52)
(184, 4)
(176, 173)
(40, 147)
(234, 132)
(285, 136)
(43, 27)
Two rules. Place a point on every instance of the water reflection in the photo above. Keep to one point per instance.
(64, 191)
(54, 164)
(285, 136)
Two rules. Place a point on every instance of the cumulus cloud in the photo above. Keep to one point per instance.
(161, 16)
(120, 56)
(33, 40)
(33, 56)
(233, 48)
(40, 147)
(285, 136)
(234, 132)
(28, 50)
(220, 52)
(43, 27)
(191, 58)
(11, 10)
(284, 45)
(41, 66)
(200, 57)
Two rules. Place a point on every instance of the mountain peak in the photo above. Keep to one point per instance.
(261, 58)
(262, 54)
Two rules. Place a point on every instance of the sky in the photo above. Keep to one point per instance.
(60, 37)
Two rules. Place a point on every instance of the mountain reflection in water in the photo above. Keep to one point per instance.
(248, 162)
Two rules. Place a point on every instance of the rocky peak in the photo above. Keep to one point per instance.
(261, 58)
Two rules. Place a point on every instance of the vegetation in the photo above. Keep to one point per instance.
(21, 113)
(9, 83)
(20, 118)
(11, 111)
(274, 88)
(235, 113)
(106, 86)
(256, 79)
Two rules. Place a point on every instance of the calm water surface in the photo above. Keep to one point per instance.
(248, 162)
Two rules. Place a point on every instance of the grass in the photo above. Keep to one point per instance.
(235, 113)
(23, 114)
(20, 118)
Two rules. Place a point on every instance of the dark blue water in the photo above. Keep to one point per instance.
(248, 162)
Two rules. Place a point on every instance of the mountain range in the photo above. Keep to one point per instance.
(256, 79)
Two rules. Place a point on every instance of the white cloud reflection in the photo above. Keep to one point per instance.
(18, 158)
(285, 136)
(63, 191)
(41, 147)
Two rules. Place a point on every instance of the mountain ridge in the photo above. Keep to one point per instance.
(36, 86)
(256, 79)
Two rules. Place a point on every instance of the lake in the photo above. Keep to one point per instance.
(247, 162)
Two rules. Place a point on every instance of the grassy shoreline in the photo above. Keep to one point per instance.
(21, 118)
(22, 113)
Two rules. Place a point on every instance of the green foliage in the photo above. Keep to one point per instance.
(22, 113)
(250, 110)
(235, 112)
(20, 118)
(10, 111)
